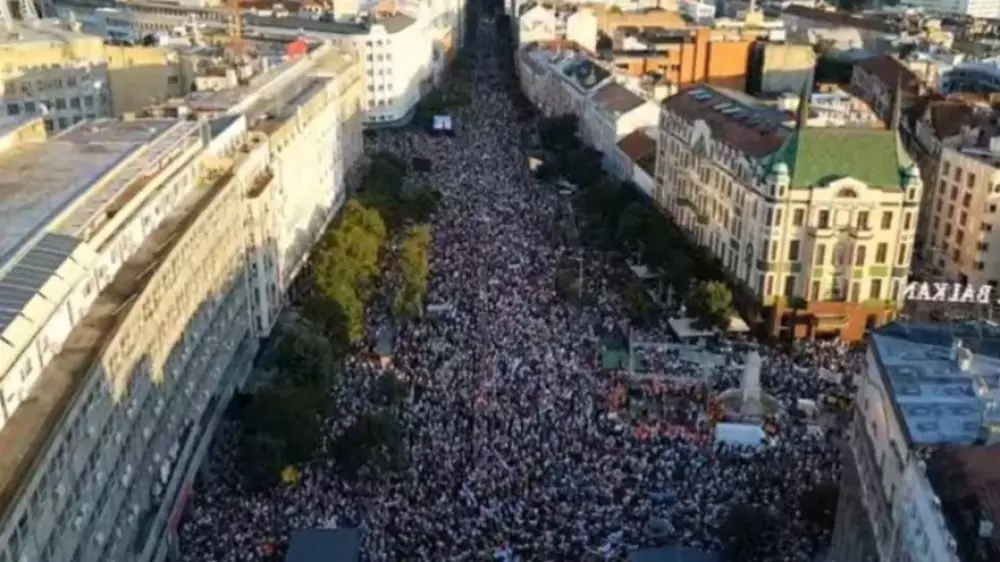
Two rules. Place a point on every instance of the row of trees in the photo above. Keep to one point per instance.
(619, 218)
(414, 264)
(283, 422)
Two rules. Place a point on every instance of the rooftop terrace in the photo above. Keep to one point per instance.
(33, 424)
(40, 180)
(935, 398)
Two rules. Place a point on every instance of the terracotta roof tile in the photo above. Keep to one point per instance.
(762, 137)
(637, 145)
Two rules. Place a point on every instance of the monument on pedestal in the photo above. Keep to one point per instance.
(748, 402)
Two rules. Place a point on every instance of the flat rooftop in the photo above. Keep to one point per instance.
(33, 424)
(936, 401)
(38, 181)
(42, 34)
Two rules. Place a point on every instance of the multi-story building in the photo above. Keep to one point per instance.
(846, 31)
(928, 390)
(406, 47)
(960, 149)
(561, 82)
(876, 81)
(684, 56)
(52, 69)
(543, 24)
(821, 215)
(142, 260)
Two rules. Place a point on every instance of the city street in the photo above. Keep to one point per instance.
(513, 449)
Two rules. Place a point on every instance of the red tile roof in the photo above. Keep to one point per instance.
(637, 145)
(762, 138)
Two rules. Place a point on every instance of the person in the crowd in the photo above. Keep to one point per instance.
(520, 446)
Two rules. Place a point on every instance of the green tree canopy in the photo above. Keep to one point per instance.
(414, 262)
(711, 304)
(640, 307)
(261, 457)
(582, 166)
(559, 133)
(290, 415)
(304, 354)
(374, 438)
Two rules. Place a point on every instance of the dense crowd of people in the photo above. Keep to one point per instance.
(519, 445)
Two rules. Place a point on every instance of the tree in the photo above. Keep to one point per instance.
(748, 532)
(304, 354)
(640, 307)
(818, 505)
(633, 224)
(711, 304)
(559, 133)
(261, 457)
(373, 438)
(291, 415)
(582, 166)
(415, 272)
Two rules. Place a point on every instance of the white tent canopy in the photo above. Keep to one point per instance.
(443, 124)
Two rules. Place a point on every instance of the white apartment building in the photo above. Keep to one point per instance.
(826, 215)
(611, 113)
(561, 82)
(405, 52)
(141, 260)
(922, 388)
(540, 24)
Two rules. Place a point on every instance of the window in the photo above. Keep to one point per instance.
(966, 199)
(907, 221)
(60, 103)
(904, 253)
(958, 175)
(971, 180)
(769, 286)
(814, 293)
(820, 257)
(862, 220)
(824, 219)
(798, 217)
(790, 286)
(886, 220)
(855, 291)
(881, 253)
(793, 250)
(876, 289)
(946, 168)
(74, 103)
(13, 109)
(859, 256)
